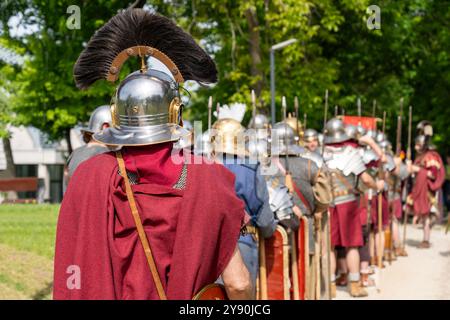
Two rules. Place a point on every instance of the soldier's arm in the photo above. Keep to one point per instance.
(371, 183)
(265, 220)
(322, 190)
(236, 278)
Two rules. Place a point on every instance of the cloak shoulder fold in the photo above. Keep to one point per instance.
(82, 260)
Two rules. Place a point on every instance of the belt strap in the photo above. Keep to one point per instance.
(344, 181)
(250, 229)
(140, 228)
(296, 189)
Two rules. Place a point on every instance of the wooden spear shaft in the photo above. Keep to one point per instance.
(380, 208)
(408, 156)
(262, 269)
(210, 101)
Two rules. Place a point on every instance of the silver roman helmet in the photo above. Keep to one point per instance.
(147, 107)
(335, 132)
(99, 117)
(283, 141)
(260, 121)
(351, 131)
(310, 135)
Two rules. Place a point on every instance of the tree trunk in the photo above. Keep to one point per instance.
(69, 142)
(255, 49)
(10, 171)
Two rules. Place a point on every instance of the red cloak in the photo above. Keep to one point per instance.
(192, 232)
(419, 198)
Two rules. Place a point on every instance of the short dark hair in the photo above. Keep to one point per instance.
(87, 137)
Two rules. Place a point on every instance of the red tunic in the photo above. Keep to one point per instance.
(192, 232)
(346, 227)
(424, 187)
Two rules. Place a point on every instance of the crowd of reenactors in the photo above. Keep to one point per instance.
(267, 211)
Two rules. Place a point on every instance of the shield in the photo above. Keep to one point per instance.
(303, 257)
(274, 266)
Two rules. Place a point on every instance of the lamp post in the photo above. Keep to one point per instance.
(272, 73)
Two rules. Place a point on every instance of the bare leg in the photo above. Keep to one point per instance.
(352, 259)
(396, 233)
(333, 264)
(426, 229)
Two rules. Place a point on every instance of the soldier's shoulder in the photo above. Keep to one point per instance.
(314, 157)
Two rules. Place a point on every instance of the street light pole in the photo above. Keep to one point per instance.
(272, 74)
(272, 85)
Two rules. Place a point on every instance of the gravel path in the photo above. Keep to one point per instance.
(424, 274)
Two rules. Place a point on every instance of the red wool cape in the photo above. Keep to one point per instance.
(429, 161)
(192, 232)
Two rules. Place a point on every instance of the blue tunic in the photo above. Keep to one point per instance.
(252, 189)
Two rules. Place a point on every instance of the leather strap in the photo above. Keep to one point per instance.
(119, 60)
(344, 181)
(140, 228)
(296, 189)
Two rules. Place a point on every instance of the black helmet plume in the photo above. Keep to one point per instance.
(137, 27)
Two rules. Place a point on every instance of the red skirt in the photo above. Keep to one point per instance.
(396, 207)
(384, 211)
(362, 209)
(346, 228)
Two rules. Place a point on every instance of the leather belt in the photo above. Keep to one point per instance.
(341, 193)
(250, 229)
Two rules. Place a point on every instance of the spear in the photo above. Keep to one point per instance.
(253, 107)
(380, 203)
(374, 108)
(296, 116)
(398, 149)
(218, 109)
(398, 145)
(408, 157)
(305, 116)
(379, 252)
(210, 101)
(325, 121)
(336, 111)
(290, 185)
(358, 103)
(326, 227)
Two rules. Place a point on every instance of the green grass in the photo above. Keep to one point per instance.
(27, 240)
(29, 227)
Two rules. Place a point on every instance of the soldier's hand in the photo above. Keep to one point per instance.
(318, 215)
(297, 211)
(383, 158)
(380, 185)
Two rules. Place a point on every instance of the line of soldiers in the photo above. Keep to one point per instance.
(267, 212)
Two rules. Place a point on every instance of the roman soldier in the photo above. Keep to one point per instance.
(429, 175)
(395, 183)
(228, 142)
(306, 177)
(311, 140)
(132, 224)
(346, 167)
(100, 119)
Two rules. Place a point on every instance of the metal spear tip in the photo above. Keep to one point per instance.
(283, 102)
(210, 101)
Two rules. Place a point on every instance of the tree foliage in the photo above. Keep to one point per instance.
(408, 57)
